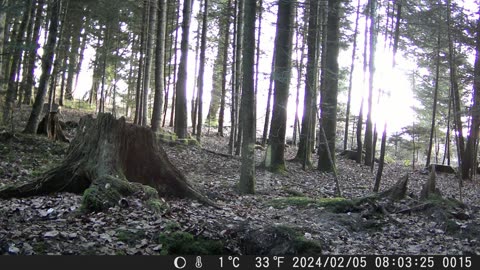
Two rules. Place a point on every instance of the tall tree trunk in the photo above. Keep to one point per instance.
(257, 48)
(141, 69)
(269, 101)
(305, 145)
(29, 49)
(275, 159)
(29, 79)
(328, 104)
(47, 60)
(16, 59)
(201, 72)
(152, 14)
(226, 37)
(159, 65)
(223, 25)
(300, 50)
(3, 16)
(369, 122)
(181, 116)
(175, 71)
(435, 98)
(247, 173)
(350, 79)
(194, 99)
(76, 29)
(81, 54)
(470, 160)
(359, 134)
(378, 177)
(238, 78)
(233, 114)
(457, 114)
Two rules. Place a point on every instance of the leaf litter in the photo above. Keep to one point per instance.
(53, 224)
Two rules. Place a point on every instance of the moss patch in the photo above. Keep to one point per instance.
(337, 205)
(279, 240)
(184, 243)
(129, 236)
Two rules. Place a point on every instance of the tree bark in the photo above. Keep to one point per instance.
(201, 72)
(221, 115)
(247, 172)
(305, 144)
(435, 98)
(469, 165)
(180, 126)
(275, 159)
(369, 122)
(350, 80)
(328, 104)
(159, 66)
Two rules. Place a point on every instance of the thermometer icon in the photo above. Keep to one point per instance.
(198, 262)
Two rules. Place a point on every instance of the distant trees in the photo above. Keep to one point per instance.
(138, 55)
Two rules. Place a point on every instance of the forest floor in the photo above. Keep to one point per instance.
(54, 225)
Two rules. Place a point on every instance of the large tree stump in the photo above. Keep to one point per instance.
(103, 160)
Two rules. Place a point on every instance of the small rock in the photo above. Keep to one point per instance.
(12, 249)
(51, 234)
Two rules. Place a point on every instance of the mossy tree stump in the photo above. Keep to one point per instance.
(107, 160)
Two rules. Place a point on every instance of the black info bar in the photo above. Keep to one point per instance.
(190, 262)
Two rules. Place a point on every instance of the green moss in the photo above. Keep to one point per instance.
(337, 205)
(130, 236)
(172, 226)
(158, 206)
(105, 193)
(184, 243)
(193, 142)
(301, 245)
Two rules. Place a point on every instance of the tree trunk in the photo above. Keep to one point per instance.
(152, 14)
(47, 61)
(181, 116)
(196, 78)
(457, 114)
(328, 104)
(223, 25)
(269, 101)
(350, 80)
(11, 94)
(381, 163)
(221, 115)
(359, 134)
(369, 122)
(275, 159)
(201, 72)
(104, 156)
(305, 144)
(3, 16)
(435, 98)
(159, 66)
(247, 172)
(469, 165)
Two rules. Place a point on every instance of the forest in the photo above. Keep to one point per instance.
(239, 127)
